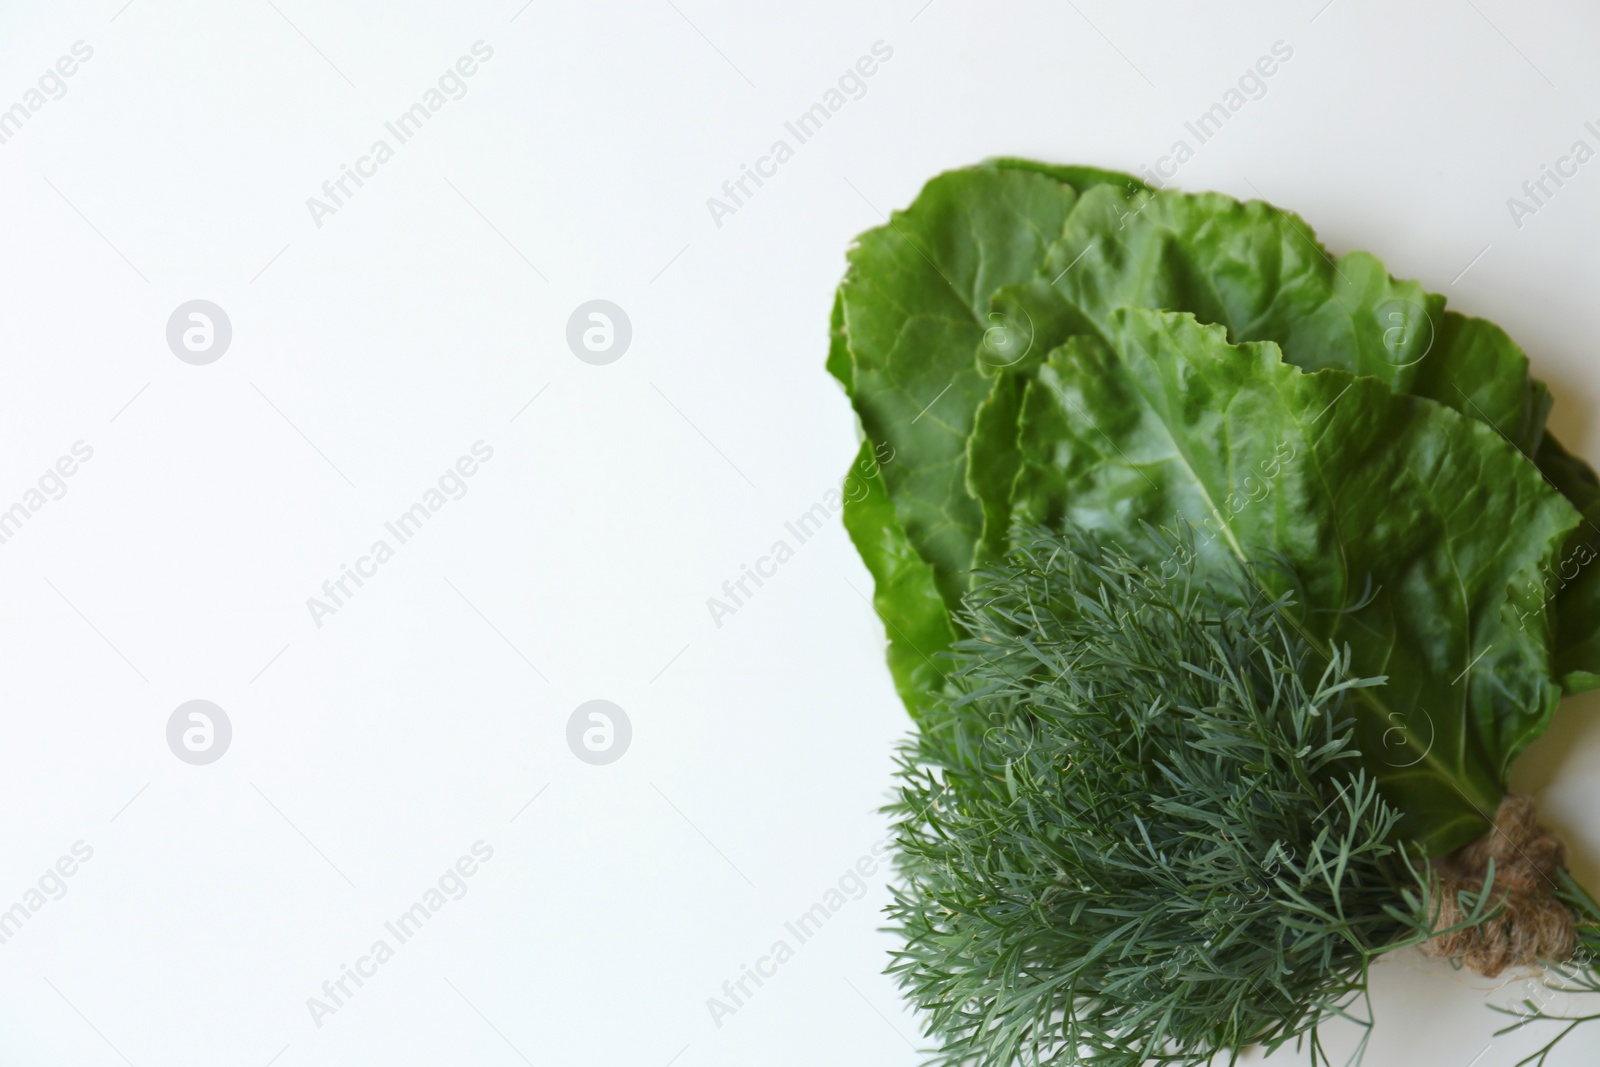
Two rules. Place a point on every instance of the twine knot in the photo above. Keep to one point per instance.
(1532, 924)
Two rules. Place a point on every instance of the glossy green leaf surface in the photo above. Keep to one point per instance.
(1259, 272)
(1409, 532)
(941, 335)
(1574, 580)
(913, 309)
(905, 594)
(915, 302)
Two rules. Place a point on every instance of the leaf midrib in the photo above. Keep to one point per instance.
(1456, 779)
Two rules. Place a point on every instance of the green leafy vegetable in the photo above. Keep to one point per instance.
(934, 282)
(948, 313)
(914, 305)
(906, 322)
(1260, 273)
(1574, 581)
(1388, 586)
(1140, 832)
(906, 596)
(1402, 526)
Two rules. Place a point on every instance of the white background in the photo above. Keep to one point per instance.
(372, 351)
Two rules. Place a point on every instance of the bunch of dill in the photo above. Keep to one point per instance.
(1138, 832)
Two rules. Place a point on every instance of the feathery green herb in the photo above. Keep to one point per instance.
(1159, 804)
(1139, 832)
(1578, 976)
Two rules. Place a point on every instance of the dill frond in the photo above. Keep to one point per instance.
(1138, 832)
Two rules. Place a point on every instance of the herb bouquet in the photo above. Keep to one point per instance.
(1225, 579)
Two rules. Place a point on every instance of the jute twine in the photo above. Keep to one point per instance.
(1532, 924)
